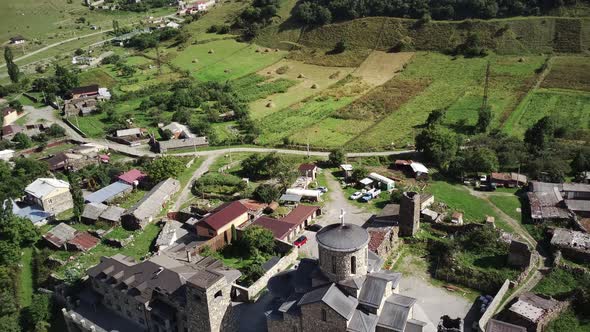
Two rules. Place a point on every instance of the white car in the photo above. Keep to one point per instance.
(356, 195)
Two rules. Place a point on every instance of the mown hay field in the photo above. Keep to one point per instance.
(223, 60)
(569, 73)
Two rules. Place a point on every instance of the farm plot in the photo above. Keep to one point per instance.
(455, 84)
(304, 75)
(224, 60)
(223, 13)
(571, 108)
(569, 73)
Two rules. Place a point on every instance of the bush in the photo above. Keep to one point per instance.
(266, 193)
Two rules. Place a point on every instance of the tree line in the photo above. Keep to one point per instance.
(318, 12)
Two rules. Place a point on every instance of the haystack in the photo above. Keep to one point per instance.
(211, 52)
(314, 86)
(300, 76)
(266, 50)
(226, 71)
(270, 104)
(257, 50)
(195, 61)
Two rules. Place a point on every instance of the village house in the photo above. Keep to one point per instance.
(457, 218)
(144, 211)
(94, 212)
(9, 115)
(157, 294)
(308, 171)
(281, 230)
(346, 171)
(558, 201)
(66, 237)
(573, 245)
(51, 195)
(131, 136)
(382, 240)
(69, 161)
(37, 216)
(418, 170)
(344, 290)
(181, 143)
(221, 220)
(17, 40)
(178, 130)
(532, 312)
(8, 132)
(84, 100)
(255, 208)
(500, 326)
(509, 180)
(302, 216)
(132, 177)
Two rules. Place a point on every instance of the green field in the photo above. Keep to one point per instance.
(456, 84)
(569, 73)
(26, 278)
(223, 60)
(458, 198)
(571, 108)
(508, 204)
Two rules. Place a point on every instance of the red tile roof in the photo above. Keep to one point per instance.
(376, 238)
(279, 229)
(307, 167)
(223, 215)
(253, 205)
(132, 176)
(300, 214)
(84, 241)
(85, 89)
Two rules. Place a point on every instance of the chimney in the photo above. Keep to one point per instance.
(188, 256)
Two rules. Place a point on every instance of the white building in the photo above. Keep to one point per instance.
(6, 155)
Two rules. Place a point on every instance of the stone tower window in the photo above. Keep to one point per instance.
(324, 315)
(218, 294)
(353, 264)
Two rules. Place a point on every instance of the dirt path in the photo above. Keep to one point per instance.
(183, 197)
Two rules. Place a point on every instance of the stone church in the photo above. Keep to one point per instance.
(344, 290)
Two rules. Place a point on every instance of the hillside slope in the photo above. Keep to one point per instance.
(505, 36)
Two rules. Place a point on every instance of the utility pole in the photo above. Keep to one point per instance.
(484, 103)
(158, 58)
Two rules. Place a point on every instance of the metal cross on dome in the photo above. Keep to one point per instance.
(342, 213)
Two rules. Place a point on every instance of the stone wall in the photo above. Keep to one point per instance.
(342, 268)
(77, 323)
(313, 318)
(485, 318)
(210, 309)
(251, 293)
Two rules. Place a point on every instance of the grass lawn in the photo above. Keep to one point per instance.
(97, 76)
(25, 291)
(456, 197)
(375, 205)
(138, 248)
(52, 150)
(485, 262)
(569, 321)
(456, 84)
(572, 108)
(508, 205)
(128, 200)
(228, 60)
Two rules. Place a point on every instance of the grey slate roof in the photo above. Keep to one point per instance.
(290, 198)
(332, 297)
(342, 237)
(578, 205)
(373, 290)
(151, 203)
(395, 312)
(60, 234)
(112, 213)
(362, 322)
(92, 211)
(109, 192)
(182, 143)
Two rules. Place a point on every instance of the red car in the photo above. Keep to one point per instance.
(300, 241)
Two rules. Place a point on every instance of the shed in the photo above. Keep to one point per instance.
(92, 211)
(385, 182)
(109, 193)
(59, 235)
(150, 205)
(290, 198)
(280, 229)
(112, 214)
(132, 177)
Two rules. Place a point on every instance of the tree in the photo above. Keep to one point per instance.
(55, 130)
(484, 119)
(36, 315)
(266, 193)
(22, 141)
(435, 117)
(359, 173)
(116, 28)
(540, 134)
(16, 104)
(166, 134)
(336, 157)
(256, 238)
(581, 161)
(439, 145)
(79, 51)
(12, 68)
(77, 196)
(65, 79)
(481, 159)
(164, 167)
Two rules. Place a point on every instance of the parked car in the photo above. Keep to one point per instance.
(356, 195)
(323, 189)
(314, 227)
(367, 197)
(300, 241)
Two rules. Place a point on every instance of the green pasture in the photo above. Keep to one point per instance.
(456, 84)
(572, 108)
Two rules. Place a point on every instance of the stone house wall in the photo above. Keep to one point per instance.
(343, 262)
(210, 309)
(58, 203)
(287, 323)
(313, 318)
(121, 304)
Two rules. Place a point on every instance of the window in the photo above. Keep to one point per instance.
(324, 315)
(218, 294)
(333, 264)
(353, 264)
